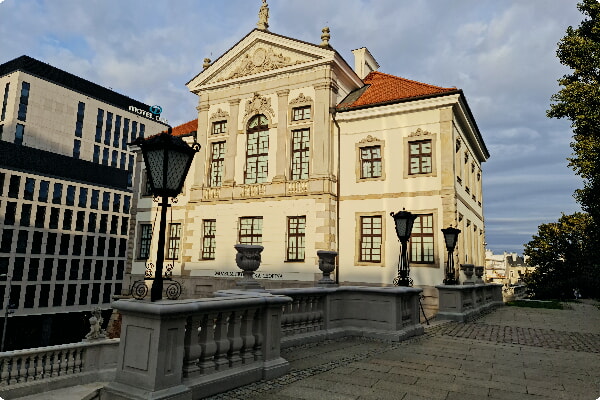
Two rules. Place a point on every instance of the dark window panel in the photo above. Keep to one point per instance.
(36, 243)
(58, 295)
(25, 214)
(13, 186)
(48, 270)
(29, 188)
(10, 213)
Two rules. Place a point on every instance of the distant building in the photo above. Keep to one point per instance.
(302, 153)
(506, 268)
(65, 194)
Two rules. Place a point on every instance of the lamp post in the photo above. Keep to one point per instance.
(7, 310)
(167, 159)
(450, 237)
(404, 221)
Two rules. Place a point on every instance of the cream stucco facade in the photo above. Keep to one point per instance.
(278, 77)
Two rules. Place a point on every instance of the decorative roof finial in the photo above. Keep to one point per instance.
(325, 37)
(206, 63)
(263, 16)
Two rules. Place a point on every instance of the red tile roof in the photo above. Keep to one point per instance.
(188, 127)
(383, 88)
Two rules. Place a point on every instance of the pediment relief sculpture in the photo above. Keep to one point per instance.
(260, 60)
(258, 105)
(219, 114)
(420, 132)
(301, 99)
(369, 139)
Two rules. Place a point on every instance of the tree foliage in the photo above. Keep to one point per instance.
(579, 101)
(561, 251)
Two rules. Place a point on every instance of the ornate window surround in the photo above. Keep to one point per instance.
(300, 101)
(217, 116)
(369, 141)
(416, 136)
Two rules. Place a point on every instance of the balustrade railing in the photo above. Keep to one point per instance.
(24, 372)
(464, 302)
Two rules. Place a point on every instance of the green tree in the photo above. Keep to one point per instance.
(561, 253)
(579, 101)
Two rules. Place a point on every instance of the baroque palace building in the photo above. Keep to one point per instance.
(301, 152)
(65, 198)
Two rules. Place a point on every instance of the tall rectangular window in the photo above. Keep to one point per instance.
(10, 213)
(133, 130)
(216, 163)
(67, 220)
(370, 162)
(300, 153)
(117, 134)
(5, 101)
(57, 193)
(76, 148)
(300, 113)
(99, 124)
(29, 188)
(40, 216)
(296, 230)
(79, 122)
(145, 241)
(44, 189)
(54, 217)
(257, 152)
(19, 134)
(126, 204)
(82, 197)
(36, 243)
(123, 161)
(219, 127)
(6, 242)
(22, 239)
(250, 230)
(23, 102)
(108, 131)
(370, 239)
(92, 222)
(95, 199)
(105, 201)
(13, 186)
(25, 214)
(80, 221)
(125, 134)
(142, 130)
(114, 158)
(420, 157)
(70, 200)
(209, 227)
(174, 241)
(105, 153)
(97, 154)
(421, 240)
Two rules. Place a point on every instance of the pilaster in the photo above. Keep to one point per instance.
(231, 145)
(281, 155)
(321, 144)
(200, 163)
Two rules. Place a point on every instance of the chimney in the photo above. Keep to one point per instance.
(364, 62)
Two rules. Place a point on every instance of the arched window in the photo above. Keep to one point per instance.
(257, 150)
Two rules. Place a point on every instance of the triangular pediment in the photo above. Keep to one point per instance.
(258, 54)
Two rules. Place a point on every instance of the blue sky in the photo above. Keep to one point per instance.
(501, 53)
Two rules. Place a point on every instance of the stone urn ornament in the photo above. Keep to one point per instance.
(479, 274)
(248, 260)
(326, 265)
(468, 271)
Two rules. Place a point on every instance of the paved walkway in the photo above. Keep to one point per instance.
(513, 353)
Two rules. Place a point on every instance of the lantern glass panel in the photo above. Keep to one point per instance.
(176, 169)
(401, 225)
(155, 161)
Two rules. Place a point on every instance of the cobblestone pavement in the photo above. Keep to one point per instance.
(512, 353)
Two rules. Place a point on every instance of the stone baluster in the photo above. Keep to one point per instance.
(70, 361)
(258, 336)
(247, 336)
(235, 339)
(22, 369)
(221, 360)
(33, 361)
(56, 363)
(302, 308)
(4, 372)
(80, 362)
(207, 344)
(46, 367)
(296, 317)
(286, 320)
(192, 349)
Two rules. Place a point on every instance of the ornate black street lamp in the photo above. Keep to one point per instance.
(450, 237)
(404, 221)
(167, 159)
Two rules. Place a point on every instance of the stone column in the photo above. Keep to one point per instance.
(199, 159)
(321, 143)
(282, 139)
(231, 146)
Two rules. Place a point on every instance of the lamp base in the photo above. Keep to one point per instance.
(450, 280)
(403, 281)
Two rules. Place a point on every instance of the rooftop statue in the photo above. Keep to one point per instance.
(263, 16)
